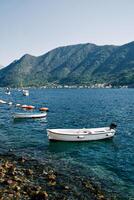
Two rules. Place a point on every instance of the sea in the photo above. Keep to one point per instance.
(109, 162)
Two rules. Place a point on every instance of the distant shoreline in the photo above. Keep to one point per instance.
(95, 86)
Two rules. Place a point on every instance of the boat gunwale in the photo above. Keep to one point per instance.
(107, 132)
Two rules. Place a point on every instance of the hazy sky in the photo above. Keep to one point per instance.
(37, 26)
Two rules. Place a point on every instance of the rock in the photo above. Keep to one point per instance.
(51, 177)
(100, 196)
(11, 170)
(88, 185)
(16, 178)
(36, 188)
(29, 172)
(2, 180)
(8, 165)
(20, 173)
(66, 187)
(5, 165)
(17, 188)
(44, 172)
(51, 172)
(17, 195)
(2, 175)
(2, 169)
(42, 195)
(10, 195)
(22, 159)
(13, 185)
(9, 181)
(23, 192)
(52, 183)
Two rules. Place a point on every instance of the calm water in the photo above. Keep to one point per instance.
(110, 162)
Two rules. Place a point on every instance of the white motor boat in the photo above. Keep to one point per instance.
(84, 134)
(25, 92)
(29, 115)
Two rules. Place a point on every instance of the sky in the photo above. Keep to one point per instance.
(38, 26)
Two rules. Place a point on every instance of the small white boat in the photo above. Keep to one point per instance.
(7, 91)
(18, 105)
(29, 115)
(1, 101)
(25, 92)
(81, 134)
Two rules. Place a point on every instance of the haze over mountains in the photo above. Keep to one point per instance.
(81, 64)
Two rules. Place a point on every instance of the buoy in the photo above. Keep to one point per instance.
(27, 106)
(43, 109)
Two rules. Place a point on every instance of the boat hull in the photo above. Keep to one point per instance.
(29, 115)
(8, 93)
(80, 136)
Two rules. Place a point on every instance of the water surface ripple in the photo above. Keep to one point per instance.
(110, 162)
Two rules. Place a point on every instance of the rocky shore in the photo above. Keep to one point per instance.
(23, 179)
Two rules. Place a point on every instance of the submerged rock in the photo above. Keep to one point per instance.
(42, 195)
(22, 159)
(52, 177)
(52, 183)
(29, 172)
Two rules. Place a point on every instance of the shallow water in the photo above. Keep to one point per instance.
(109, 162)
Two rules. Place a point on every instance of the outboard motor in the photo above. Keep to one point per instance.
(113, 126)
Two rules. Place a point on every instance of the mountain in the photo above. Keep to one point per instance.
(71, 65)
(1, 66)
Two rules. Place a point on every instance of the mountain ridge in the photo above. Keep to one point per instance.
(78, 64)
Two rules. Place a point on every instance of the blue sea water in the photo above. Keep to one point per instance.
(109, 162)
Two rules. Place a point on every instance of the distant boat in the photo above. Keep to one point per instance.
(25, 92)
(10, 103)
(1, 101)
(29, 115)
(28, 107)
(84, 134)
(7, 91)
